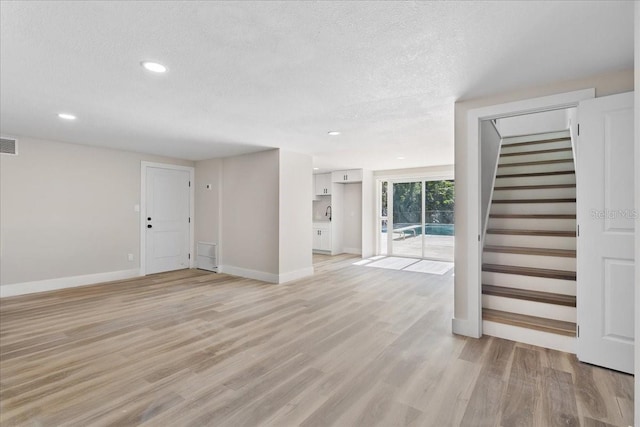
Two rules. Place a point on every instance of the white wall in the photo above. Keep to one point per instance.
(637, 196)
(369, 214)
(547, 121)
(489, 150)
(208, 201)
(320, 208)
(67, 210)
(436, 172)
(249, 222)
(352, 211)
(295, 257)
(605, 84)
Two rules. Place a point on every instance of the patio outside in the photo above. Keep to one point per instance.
(436, 247)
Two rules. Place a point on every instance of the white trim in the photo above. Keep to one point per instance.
(143, 208)
(530, 336)
(264, 276)
(474, 247)
(249, 274)
(493, 185)
(65, 282)
(353, 251)
(295, 275)
(464, 327)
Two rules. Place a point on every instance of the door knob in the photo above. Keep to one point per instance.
(149, 218)
(149, 226)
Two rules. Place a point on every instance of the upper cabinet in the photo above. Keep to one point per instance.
(323, 184)
(353, 175)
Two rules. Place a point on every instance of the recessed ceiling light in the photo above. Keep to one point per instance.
(315, 169)
(400, 158)
(334, 133)
(154, 66)
(67, 116)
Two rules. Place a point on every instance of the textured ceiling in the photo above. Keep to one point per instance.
(245, 76)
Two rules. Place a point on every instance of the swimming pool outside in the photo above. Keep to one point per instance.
(429, 229)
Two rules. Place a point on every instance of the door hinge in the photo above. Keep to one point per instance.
(189, 256)
(189, 183)
(478, 237)
(189, 220)
(578, 230)
(578, 129)
(578, 331)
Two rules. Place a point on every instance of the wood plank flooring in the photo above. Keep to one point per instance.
(350, 346)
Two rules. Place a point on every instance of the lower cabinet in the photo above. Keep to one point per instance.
(321, 239)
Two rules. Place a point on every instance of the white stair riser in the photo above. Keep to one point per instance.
(507, 149)
(536, 137)
(541, 193)
(555, 155)
(533, 208)
(530, 308)
(534, 261)
(537, 180)
(553, 167)
(530, 241)
(542, 284)
(533, 224)
(529, 336)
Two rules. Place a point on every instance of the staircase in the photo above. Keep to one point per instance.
(529, 252)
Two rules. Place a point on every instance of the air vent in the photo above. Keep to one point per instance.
(9, 146)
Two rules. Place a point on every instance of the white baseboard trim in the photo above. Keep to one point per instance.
(354, 251)
(24, 288)
(249, 274)
(530, 336)
(464, 327)
(263, 276)
(294, 275)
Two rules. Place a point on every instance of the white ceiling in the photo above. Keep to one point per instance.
(244, 76)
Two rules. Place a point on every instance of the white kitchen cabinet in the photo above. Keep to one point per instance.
(323, 184)
(321, 239)
(352, 175)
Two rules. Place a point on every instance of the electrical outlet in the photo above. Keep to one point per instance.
(130, 257)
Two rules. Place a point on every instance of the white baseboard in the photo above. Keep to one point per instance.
(354, 251)
(263, 276)
(530, 336)
(65, 282)
(294, 275)
(249, 274)
(464, 327)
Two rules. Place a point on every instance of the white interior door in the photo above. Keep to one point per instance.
(167, 219)
(606, 220)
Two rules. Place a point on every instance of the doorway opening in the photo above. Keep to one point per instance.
(416, 218)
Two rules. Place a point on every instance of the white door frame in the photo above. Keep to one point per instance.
(143, 208)
(472, 325)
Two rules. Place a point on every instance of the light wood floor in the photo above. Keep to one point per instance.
(351, 346)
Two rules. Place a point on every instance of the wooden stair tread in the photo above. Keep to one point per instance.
(535, 163)
(567, 253)
(530, 271)
(528, 175)
(529, 295)
(522, 232)
(567, 200)
(535, 187)
(540, 141)
(533, 216)
(531, 322)
(525, 153)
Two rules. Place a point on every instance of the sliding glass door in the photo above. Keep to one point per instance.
(407, 219)
(416, 219)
